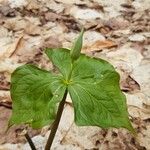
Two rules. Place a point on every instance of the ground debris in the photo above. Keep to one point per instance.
(117, 31)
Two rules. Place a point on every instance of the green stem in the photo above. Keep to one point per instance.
(30, 141)
(56, 122)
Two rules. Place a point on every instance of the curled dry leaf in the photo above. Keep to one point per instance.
(130, 85)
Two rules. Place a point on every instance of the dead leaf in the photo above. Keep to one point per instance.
(90, 37)
(99, 45)
(8, 49)
(3, 33)
(52, 42)
(18, 43)
(7, 11)
(33, 29)
(141, 74)
(53, 23)
(18, 3)
(85, 14)
(8, 65)
(50, 16)
(5, 96)
(11, 136)
(92, 5)
(4, 86)
(137, 38)
(55, 6)
(130, 85)
(33, 5)
(125, 57)
(126, 5)
(103, 29)
(15, 24)
(117, 23)
(66, 20)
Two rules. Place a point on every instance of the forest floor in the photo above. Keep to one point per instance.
(115, 30)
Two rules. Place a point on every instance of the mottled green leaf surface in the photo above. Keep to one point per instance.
(35, 93)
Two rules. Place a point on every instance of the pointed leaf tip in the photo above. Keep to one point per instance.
(76, 49)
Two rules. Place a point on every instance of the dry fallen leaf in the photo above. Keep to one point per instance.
(8, 65)
(52, 23)
(137, 38)
(99, 45)
(50, 16)
(32, 5)
(9, 48)
(11, 136)
(85, 14)
(33, 29)
(130, 85)
(15, 24)
(117, 23)
(5, 96)
(52, 42)
(125, 57)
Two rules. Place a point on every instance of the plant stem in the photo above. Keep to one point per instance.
(56, 122)
(30, 141)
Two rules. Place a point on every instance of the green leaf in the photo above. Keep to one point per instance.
(76, 49)
(35, 94)
(61, 60)
(96, 96)
(94, 90)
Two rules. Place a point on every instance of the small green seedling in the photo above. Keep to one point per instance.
(39, 96)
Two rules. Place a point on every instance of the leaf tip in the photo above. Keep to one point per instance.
(77, 46)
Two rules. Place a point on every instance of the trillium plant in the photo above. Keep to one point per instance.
(38, 95)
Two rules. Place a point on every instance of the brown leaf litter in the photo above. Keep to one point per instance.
(117, 31)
